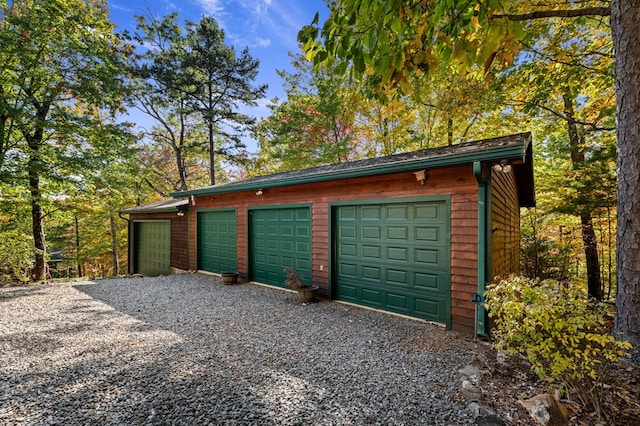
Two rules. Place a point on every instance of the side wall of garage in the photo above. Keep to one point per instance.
(458, 183)
(505, 225)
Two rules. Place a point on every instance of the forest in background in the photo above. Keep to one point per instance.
(70, 161)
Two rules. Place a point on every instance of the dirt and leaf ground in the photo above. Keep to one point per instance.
(505, 381)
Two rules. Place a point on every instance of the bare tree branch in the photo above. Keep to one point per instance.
(564, 13)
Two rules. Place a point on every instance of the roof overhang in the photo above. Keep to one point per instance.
(524, 179)
(164, 206)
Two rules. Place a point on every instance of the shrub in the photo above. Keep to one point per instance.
(561, 333)
(294, 279)
(16, 257)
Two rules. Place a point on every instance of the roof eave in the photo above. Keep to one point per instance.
(512, 152)
(162, 209)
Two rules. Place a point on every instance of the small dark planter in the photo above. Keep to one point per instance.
(229, 278)
(308, 294)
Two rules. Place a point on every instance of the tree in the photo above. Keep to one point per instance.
(565, 74)
(386, 42)
(174, 142)
(58, 55)
(189, 74)
(315, 125)
(217, 82)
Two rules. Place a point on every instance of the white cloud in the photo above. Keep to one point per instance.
(263, 42)
(211, 7)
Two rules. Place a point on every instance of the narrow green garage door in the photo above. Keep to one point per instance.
(395, 257)
(152, 247)
(217, 241)
(280, 238)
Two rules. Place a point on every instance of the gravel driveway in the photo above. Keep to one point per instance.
(188, 350)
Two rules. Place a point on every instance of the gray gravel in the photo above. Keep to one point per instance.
(186, 349)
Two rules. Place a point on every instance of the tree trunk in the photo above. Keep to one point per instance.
(36, 222)
(34, 165)
(78, 247)
(625, 27)
(114, 242)
(182, 169)
(178, 150)
(212, 157)
(594, 280)
(212, 154)
(589, 241)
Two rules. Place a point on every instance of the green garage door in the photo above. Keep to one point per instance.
(217, 241)
(152, 248)
(395, 257)
(280, 238)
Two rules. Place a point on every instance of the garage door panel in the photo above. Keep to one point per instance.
(280, 238)
(287, 245)
(348, 270)
(371, 232)
(395, 256)
(428, 257)
(398, 254)
(368, 251)
(347, 231)
(429, 212)
(371, 273)
(427, 281)
(217, 241)
(372, 296)
(397, 212)
(304, 265)
(427, 233)
(429, 307)
(398, 233)
(347, 250)
(396, 277)
(398, 301)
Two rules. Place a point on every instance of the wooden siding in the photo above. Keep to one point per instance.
(179, 243)
(459, 183)
(505, 225)
(179, 237)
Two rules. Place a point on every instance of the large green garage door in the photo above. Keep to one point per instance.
(152, 247)
(217, 241)
(396, 257)
(280, 238)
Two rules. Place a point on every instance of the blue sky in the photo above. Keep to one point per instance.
(267, 27)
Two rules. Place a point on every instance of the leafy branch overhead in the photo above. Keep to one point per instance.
(387, 42)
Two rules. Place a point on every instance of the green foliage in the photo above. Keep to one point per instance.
(386, 42)
(553, 325)
(63, 69)
(16, 257)
(315, 125)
